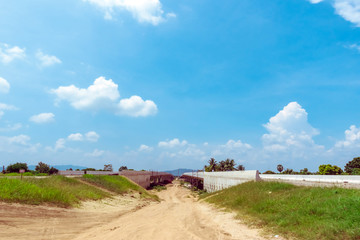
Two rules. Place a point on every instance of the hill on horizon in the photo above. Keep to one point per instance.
(179, 171)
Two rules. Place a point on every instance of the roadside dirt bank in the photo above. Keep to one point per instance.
(177, 216)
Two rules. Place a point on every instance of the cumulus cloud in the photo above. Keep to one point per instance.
(144, 11)
(43, 118)
(8, 53)
(349, 10)
(172, 143)
(47, 60)
(92, 136)
(104, 94)
(4, 86)
(145, 148)
(352, 138)
(75, 137)
(289, 128)
(89, 136)
(135, 106)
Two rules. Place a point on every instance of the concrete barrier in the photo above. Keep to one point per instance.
(215, 181)
(335, 179)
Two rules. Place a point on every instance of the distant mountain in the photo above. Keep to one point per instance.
(60, 167)
(180, 171)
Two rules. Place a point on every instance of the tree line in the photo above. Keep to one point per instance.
(351, 168)
(224, 165)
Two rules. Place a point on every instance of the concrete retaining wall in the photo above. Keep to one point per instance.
(215, 181)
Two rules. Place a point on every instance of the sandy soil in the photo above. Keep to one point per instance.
(177, 216)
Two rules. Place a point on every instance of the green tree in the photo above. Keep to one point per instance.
(268, 172)
(108, 167)
(288, 171)
(14, 168)
(240, 167)
(212, 165)
(328, 169)
(280, 168)
(53, 170)
(123, 168)
(42, 168)
(351, 165)
(305, 171)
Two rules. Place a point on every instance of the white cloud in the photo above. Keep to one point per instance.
(4, 107)
(135, 106)
(289, 128)
(315, 1)
(75, 137)
(97, 96)
(43, 118)
(10, 127)
(145, 148)
(352, 138)
(21, 139)
(92, 136)
(47, 60)
(95, 153)
(104, 94)
(60, 144)
(349, 10)
(8, 54)
(172, 143)
(89, 136)
(4, 86)
(144, 11)
(232, 148)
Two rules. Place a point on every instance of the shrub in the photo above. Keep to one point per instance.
(269, 172)
(14, 168)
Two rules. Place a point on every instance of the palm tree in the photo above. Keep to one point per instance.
(212, 165)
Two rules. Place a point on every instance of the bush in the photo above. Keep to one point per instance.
(328, 169)
(15, 168)
(269, 172)
(350, 166)
(53, 171)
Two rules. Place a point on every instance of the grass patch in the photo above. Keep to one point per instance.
(293, 211)
(55, 190)
(159, 188)
(118, 184)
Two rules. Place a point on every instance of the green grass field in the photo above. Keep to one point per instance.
(54, 190)
(293, 211)
(118, 184)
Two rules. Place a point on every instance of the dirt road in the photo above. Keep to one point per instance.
(178, 216)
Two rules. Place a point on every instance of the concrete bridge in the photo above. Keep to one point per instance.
(142, 178)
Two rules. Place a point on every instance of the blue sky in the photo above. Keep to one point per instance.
(163, 84)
